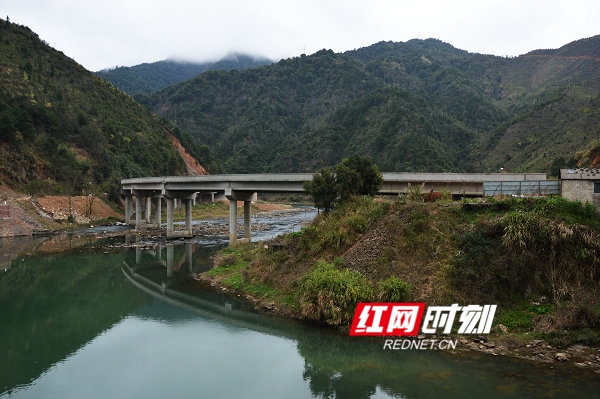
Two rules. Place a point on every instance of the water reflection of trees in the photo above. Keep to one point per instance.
(325, 384)
(339, 366)
(53, 305)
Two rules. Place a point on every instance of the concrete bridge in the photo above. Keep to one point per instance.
(245, 187)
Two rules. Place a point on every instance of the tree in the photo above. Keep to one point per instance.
(348, 181)
(357, 175)
(353, 176)
(322, 188)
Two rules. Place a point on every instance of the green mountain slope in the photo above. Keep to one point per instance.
(62, 126)
(307, 112)
(554, 96)
(151, 77)
(422, 105)
(252, 118)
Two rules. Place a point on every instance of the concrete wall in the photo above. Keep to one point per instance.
(582, 190)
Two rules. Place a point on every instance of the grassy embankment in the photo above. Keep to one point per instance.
(537, 258)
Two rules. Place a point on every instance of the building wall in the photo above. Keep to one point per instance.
(582, 190)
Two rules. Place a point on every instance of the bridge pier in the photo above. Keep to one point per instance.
(247, 228)
(138, 212)
(170, 207)
(148, 212)
(187, 197)
(234, 196)
(143, 207)
(143, 212)
(188, 217)
(232, 221)
(128, 209)
(158, 211)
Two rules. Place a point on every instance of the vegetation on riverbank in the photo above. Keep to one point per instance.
(537, 258)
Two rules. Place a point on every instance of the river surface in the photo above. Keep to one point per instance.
(82, 316)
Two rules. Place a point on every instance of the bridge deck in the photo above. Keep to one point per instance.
(394, 183)
(244, 187)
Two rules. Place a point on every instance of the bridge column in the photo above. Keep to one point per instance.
(148, 212)
(188, 217)
(170, 206)
(186, 197)
(232, 221)
(143, 207)
(158, 211)
(234, 196)
(138, 212)
(128, 209)
(247, 219)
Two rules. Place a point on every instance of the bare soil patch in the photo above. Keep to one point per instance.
(83, 209)
(26, 215)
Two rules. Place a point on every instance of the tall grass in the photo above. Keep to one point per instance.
(330, 295)
(393, 289)
(332, 233)
(548, 245)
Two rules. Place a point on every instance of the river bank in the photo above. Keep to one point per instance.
(503, 341)
(25, 215)
(417, 242)
(500, 342)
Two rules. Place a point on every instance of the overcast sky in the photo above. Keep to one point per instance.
(107, 33)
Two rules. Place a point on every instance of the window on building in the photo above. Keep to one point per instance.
(597, 187)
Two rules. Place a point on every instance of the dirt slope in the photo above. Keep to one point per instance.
(24, 215)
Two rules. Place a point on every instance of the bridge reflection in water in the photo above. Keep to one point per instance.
(336, 365)
(168, 272)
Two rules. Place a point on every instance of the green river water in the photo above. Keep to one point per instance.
(93, 319)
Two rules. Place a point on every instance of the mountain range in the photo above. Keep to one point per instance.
(150, 77)
(420, 105)
(63, 129)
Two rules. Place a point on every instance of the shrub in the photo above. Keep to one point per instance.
(446, 195)
(394, 289)
(415, 193)
(519, 229)
(358, 223)
(330, 295)
(227, 259)
(336, 239)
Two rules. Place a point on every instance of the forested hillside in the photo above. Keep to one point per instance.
(63, 128)
(151, 77)
(422, 105)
